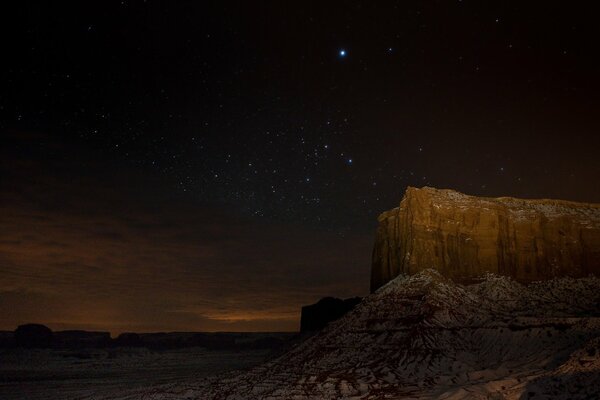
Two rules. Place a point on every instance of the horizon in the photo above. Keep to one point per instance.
(114, 335)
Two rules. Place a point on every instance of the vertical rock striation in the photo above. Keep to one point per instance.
(464, 237)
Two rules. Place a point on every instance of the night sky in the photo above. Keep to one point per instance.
(215, 165)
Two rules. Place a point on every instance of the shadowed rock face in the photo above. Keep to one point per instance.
(464, 237)
(316, 316)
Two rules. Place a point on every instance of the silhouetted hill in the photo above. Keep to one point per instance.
(316, 316)
(33, 336)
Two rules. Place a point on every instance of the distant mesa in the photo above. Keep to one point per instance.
(316, 316)
(33, 336)
(81, 339)
(464, 237)
(40, 336)
(128, 339)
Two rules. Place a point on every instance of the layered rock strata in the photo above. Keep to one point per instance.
(464, 237)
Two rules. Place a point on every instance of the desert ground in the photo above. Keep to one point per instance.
(38, 374)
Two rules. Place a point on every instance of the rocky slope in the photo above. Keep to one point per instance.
(423, 336)
(465, 236)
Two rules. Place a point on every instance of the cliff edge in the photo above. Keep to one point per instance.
(464, 237)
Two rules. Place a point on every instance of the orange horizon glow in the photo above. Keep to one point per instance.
(117, 274)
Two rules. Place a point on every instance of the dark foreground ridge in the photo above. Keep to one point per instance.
(424, 336)
(464, 237)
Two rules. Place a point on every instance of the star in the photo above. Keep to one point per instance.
(342, 53)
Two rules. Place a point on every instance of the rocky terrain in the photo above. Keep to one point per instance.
(473, 298)
(466, 236)
(424, 336)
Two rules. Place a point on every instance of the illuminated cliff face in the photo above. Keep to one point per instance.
(465, 236)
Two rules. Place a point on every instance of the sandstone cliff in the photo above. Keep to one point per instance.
(464, 237)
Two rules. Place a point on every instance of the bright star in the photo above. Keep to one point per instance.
(342, 53)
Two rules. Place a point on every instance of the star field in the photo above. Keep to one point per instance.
(322, 115)
(216, 165)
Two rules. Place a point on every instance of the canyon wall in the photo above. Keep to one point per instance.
(465, 237)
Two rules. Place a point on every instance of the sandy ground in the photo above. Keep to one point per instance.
(74, 374)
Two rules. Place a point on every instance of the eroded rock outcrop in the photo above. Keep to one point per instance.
(425, 336)
(466, 236)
